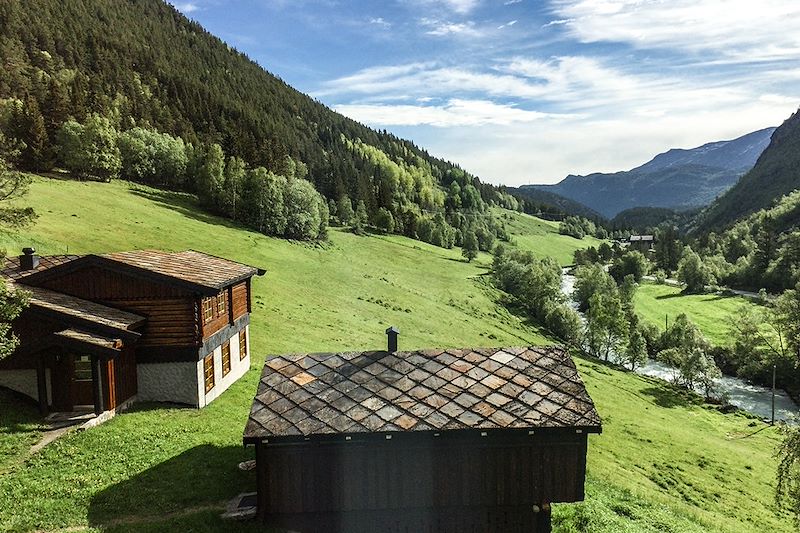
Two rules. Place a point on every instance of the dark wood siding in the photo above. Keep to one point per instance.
(170, 321)
(171, 313)
(427, 483)
(239, 303)
(120, 379)
(96, 284)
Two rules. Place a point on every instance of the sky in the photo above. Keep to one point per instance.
(524, 91)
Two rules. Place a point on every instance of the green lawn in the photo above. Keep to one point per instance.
(663, 463)
(711, 312)
(542, 237)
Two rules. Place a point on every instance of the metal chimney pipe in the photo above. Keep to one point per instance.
(391, 334)
(28, 260)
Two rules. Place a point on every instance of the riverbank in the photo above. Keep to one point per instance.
(749, 397)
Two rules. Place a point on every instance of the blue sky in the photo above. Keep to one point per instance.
(523, 91)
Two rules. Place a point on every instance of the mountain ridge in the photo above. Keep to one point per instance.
(775, 174)
(675, 179)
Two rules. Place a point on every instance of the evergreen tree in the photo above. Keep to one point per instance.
(361, 218)
(470, 247)
(33, 133)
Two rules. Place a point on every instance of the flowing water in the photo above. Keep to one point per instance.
(751, 398)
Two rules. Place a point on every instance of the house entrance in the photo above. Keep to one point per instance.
(72, 382)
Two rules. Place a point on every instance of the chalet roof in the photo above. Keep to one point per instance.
(636, 238)
(11, 268)
(82, 310)
(190, 266)
(301, 396)
(190, 270)
(87, 338)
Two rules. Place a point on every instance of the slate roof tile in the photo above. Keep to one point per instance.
(433, 390)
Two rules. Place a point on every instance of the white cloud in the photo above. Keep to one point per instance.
(589, 116)
(511, 2)
(507, 24)
(187, 7)
(380, 21)
(455, 113)
(441, 28)
(462, 6)
(747, 30)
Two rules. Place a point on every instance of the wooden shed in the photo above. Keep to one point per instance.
(454, 440)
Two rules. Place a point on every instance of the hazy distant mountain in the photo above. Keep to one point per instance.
(567, 205)
(676, 179)
(776, 173)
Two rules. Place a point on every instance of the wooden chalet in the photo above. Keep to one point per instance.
(102, 331)
(472, 440)
(643, 243)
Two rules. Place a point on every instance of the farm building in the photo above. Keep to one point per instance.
(437, 440)
(643, 243)
(102, 331)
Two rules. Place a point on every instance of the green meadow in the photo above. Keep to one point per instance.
(541, 236)
(660, 304)
(665, 462)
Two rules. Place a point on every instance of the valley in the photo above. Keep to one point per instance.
(155, 468)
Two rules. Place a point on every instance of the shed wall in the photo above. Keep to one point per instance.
(431, 478)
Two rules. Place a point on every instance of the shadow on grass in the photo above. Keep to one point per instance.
(183, 203)
(199, 481)
(669, 396)
(18, 413)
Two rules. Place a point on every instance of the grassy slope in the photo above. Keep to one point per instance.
(127, 474)
(710, 312)
(541, 236)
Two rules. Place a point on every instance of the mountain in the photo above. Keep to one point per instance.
(549, 198)
(142, 64)
(775, 174)
(677, 179)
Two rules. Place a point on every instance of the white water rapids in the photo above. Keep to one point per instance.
(747, 396)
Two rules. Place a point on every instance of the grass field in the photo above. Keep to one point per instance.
(711, 312)
(542, 237)
(664, 462)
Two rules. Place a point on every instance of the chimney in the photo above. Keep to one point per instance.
(392, 333)
(28, 260)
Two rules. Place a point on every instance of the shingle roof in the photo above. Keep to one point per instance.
(190, 266)
(11, 268)
(85, 337)
(71, 306)
(301, 395)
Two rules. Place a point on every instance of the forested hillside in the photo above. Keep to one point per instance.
(106, 88)
(776, 174)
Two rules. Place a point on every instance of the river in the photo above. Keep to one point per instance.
(746, 396)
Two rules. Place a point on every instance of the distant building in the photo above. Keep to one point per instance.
(104, 330)
(434, 440)
(643, 243)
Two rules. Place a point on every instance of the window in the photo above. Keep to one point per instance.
(226, 358)
(222, 307)
(242, 344)
(208, 310)
(83, 368)
(208, 371)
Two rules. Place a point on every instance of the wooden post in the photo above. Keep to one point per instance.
(41, 385)
(774, 368)
(97, 390)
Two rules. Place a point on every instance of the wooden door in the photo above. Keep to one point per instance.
(60, 378)
(81, 389)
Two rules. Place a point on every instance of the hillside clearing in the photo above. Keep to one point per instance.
(664, 461)
(711, 312)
